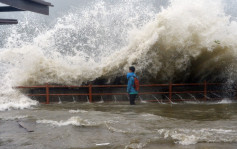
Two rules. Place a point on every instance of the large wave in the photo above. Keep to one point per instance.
(71, 51)
(184, 41)
(189, 40)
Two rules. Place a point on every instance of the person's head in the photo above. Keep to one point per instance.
(132, 69)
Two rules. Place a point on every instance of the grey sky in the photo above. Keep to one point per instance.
(62, 6)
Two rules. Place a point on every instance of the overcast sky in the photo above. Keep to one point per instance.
(62, 6)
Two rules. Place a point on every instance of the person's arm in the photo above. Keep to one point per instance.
(129, 85)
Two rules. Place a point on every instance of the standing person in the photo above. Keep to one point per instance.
(132, 89)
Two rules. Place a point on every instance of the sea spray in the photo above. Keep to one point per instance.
(72, 50)
(68, 52)
(181, 41)
(188, 40)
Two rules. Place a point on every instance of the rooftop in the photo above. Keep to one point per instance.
(37, 6)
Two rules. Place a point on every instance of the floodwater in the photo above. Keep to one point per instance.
(119, 125)
(83, 41)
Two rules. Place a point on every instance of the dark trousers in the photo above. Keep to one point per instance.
(132, 98)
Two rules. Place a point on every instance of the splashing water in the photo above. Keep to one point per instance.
(156, 99)
(141, 100)
(59, 100)
(182, 42)
(191, 95)
(115, 99)
(77, 121)
(73, 98)
(180, 97)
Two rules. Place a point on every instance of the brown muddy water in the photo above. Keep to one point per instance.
(119, 125)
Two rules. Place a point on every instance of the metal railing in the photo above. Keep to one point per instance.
(169, 90)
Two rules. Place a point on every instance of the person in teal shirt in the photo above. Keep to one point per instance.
(130, 88)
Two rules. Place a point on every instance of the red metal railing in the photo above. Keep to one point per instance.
(90, 94)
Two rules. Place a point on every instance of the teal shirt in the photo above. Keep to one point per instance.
(130, 88)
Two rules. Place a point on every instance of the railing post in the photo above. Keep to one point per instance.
(90, 92)
(170, 92)
(47, 93)
(205, 90)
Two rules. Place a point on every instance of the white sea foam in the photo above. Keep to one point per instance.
(75, 121)
(13, 117)
(135, 146)
(149, 116)
(225, 101)
(193, 136)
(77, 111)
(102, 144)
(11, 99)
(113, 129)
